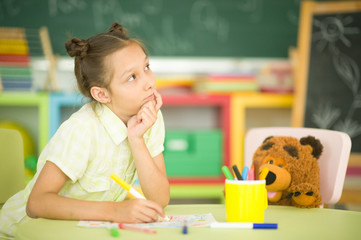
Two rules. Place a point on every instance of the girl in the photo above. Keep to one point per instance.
(120, 130)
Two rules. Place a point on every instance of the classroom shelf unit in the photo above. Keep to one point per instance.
(225, 139)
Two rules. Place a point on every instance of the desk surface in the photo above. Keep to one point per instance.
(293, 223)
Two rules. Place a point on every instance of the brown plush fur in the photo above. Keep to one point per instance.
(294, 174)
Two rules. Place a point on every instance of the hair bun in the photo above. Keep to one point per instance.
(77, 47)
(117, 28)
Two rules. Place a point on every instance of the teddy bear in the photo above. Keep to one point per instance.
(294, 175)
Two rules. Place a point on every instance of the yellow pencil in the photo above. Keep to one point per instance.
(126, 186)
(130, 189)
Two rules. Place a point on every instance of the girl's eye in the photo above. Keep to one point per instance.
(131, 78)
(147, 67)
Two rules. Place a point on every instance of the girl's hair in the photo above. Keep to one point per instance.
(90, 57)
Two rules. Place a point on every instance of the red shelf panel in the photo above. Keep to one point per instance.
(199, 180)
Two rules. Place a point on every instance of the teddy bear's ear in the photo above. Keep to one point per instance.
(314, 143)
(267, 145)
(267, 138)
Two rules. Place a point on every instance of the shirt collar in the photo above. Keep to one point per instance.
(115, 127)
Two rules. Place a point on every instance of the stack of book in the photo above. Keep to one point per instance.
(175, 83)
(226, 83)
(276, 77)
(15, 70)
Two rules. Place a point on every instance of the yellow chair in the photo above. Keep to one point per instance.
(333, 160)
(12, 171)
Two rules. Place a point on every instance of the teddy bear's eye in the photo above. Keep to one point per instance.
(270, 162)
(280, 165)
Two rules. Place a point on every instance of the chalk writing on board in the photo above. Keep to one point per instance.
(153, 7)
(253, 8)
(65, 6)
(204, 15)
(10, 7)
(105, 12)
(169, 41)
(333, 31)
(292, 15)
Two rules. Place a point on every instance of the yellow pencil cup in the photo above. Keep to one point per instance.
(246, 201)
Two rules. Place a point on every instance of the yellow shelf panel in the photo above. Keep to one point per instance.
(239, 104)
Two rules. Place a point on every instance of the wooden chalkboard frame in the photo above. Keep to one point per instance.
(307, 12)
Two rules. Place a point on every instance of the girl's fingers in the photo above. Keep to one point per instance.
(147, 112)
(157, 208)
(148, 215)
(150, 211)
(151, 105)
(158, 100)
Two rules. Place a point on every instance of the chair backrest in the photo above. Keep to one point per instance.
(333, 160)
(12, 170)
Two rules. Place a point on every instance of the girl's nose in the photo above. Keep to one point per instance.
(150, 82)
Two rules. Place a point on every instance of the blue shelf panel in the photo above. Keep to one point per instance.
(59, 101)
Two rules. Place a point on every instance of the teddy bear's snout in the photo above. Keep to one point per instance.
(271, 178)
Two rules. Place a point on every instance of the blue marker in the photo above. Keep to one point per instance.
(265, 225)
(185, 228)
(245, 172)
(244, 225)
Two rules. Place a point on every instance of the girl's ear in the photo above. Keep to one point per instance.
(100, 94)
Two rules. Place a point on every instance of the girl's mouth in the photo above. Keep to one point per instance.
(151, 97)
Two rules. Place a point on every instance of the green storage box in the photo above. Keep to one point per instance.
(192, 153)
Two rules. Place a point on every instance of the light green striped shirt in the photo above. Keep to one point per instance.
(88, 147)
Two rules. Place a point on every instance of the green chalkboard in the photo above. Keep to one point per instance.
(209, 28)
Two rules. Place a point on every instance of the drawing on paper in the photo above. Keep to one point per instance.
(197, 220)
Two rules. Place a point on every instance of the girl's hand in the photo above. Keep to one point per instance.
(145, 118)
(137, 211)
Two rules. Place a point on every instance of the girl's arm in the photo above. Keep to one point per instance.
(151, 172)
(45, 202)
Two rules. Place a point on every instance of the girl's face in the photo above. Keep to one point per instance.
(133, 83)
